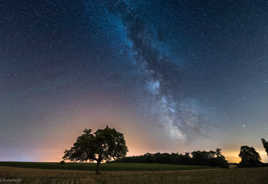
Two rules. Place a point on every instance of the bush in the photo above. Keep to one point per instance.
(207, 158)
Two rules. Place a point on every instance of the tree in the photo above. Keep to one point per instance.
(220, 159)
(249, 157)
(265, 145)
(103, 145)
(209, 158)
(218, 153)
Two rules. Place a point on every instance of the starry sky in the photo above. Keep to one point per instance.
(172, 75)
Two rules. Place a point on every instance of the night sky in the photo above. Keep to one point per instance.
(172, 75)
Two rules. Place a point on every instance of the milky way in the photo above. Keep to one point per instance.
(162, 76)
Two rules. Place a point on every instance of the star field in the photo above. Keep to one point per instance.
(181, 75)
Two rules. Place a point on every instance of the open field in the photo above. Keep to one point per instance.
(104, 167)
(201, 176)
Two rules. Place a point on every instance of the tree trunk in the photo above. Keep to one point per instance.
(98, 168)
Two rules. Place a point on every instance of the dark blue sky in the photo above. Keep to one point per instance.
(172, 75)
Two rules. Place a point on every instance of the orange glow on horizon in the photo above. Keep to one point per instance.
(56, 155)
(136, 134)
(232, 156)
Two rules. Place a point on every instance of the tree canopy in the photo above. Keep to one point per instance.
(103, 145)
(209, 158)
(249, 157)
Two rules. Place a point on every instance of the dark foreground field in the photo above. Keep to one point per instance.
(194, 176)
(205, 176)
(27, 172)
(104, 167)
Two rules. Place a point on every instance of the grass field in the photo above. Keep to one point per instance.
(126, 173)
(200, 176)
(104, 167)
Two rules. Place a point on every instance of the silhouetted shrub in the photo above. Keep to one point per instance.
(62, 162)
(265, 145)
(209, 158)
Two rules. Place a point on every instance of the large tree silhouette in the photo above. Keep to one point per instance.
(249, 157)
(103, 145)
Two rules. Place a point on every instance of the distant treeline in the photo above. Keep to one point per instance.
(208, 158)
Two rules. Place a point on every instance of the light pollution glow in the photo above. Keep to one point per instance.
(140, 139)
(136, 147)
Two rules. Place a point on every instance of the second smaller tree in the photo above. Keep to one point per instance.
(249, 157)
